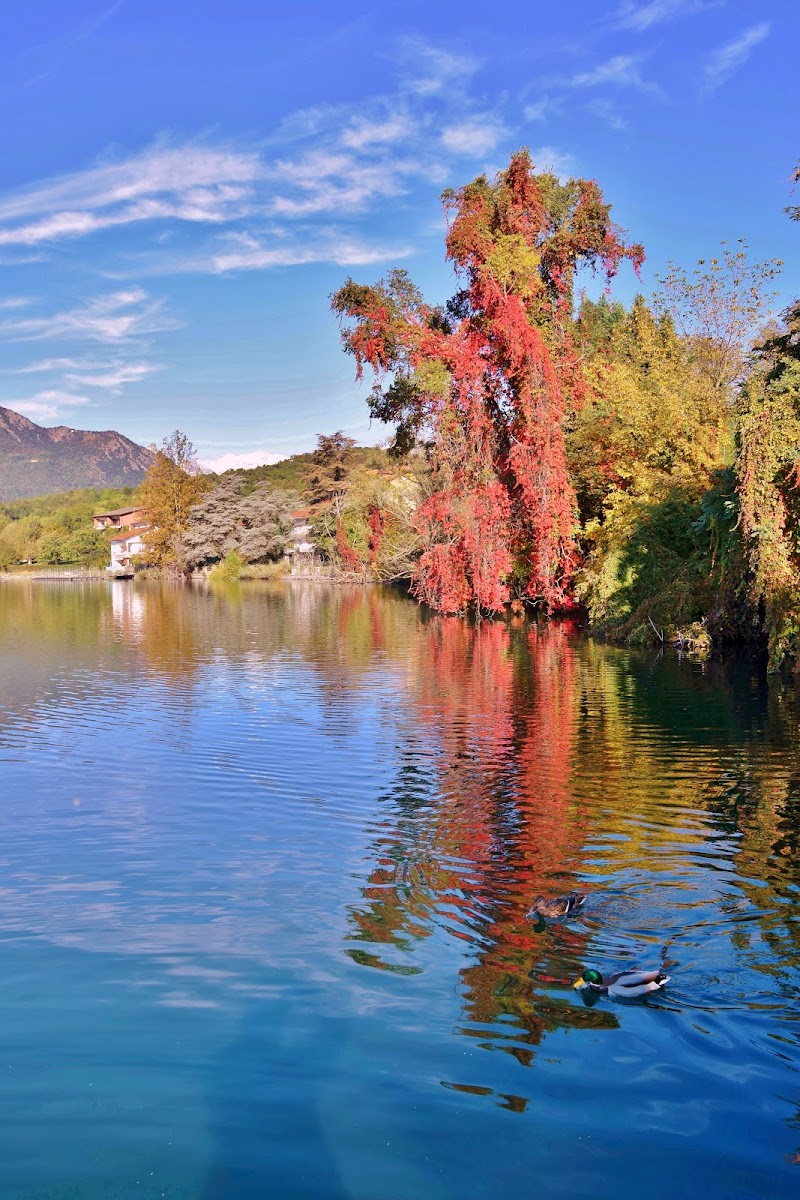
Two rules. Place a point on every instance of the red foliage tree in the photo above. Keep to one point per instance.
(491, 380)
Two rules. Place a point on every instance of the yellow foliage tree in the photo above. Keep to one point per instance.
(652, 421)
(643, 449)
(171, 487)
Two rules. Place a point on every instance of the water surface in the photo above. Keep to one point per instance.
(265, 858)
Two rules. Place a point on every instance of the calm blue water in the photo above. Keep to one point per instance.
(265, 855)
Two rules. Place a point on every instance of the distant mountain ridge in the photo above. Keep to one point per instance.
(35, 460)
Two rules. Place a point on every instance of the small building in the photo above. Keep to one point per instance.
(300, 533)
(121, 518)
(124, 548)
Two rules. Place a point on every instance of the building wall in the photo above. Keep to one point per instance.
(132, 520)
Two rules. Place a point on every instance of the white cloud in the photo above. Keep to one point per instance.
(15, 302)
(240, 462)
(59, 364)
(537, 111)
(623, 70)
(641, 17)
(338, 181)
(114, 317)
(363, 133)
(474, 137)
(113, 376)
(550, 158)
(732, 55)
(251, 254)
(48, 404)
(187, 183)
(435, 69)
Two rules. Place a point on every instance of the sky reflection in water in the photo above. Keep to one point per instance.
(266, 854)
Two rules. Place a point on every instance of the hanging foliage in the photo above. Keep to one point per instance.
(490, 381)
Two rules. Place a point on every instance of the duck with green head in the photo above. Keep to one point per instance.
(625, 985)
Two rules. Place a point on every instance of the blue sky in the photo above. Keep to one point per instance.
(185, 183)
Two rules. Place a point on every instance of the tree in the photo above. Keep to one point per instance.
(370, 527)
(722, 307)
(331, 464)
(650, 420)
(491, 381)
(768, 482)
(53, 548)
(170, 489)
(88, 548)
(228, 519)
(25, 535)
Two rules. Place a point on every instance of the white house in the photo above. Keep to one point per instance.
(299, 534)
(124, 547)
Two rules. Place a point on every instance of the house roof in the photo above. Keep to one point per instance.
(128, 535)
(119, 512)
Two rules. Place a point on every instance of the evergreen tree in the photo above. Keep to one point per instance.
(254, 524)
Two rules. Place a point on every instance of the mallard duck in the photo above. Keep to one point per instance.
(558, 906)
(624, 985)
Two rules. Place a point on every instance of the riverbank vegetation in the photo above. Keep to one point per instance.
(552, 450)
(56, 529)
(641, 462)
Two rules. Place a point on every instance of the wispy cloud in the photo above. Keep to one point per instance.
(623, 70)
(435, 69)
(329, 163)
(550, 158)
(46, 405)
(247, 253)
(188, 183)
(334, 181)
(539, 110)
(89, 372)
(641, 17)
(361, 134)
(606, 112)
(474, 137)
(114, 376)
(732, 55)
(114, 317)
(103, 379)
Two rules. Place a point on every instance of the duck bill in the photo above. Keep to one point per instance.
(579, 983)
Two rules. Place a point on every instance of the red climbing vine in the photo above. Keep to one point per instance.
(490, 380)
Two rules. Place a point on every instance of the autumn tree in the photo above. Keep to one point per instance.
(650, 419)
(491, 380)
(255, 524)
(171, 487)
(768, 474)
(646, 451)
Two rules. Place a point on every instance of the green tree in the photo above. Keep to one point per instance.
(26, 533)
(53, 548)
(88, 547)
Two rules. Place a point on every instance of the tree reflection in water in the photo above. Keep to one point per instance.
(490, 824)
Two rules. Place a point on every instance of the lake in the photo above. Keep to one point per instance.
(265, 861)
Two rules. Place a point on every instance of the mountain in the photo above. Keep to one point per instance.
(35, 460)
